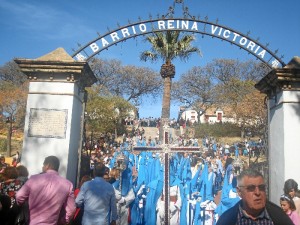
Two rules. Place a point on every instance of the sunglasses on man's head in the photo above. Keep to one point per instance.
(252, 187)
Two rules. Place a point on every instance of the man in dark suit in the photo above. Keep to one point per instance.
(253, 208)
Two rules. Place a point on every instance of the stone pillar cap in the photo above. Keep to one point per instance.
(294, 63)
(55, 66)
(278, 79)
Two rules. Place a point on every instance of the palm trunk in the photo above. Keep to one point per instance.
(166, 102)
(165, 113)
(167, 72)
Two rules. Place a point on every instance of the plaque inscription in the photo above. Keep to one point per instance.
(48, 123)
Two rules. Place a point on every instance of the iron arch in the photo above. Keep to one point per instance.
(202, 27)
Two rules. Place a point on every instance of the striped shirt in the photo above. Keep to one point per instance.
(262, 219)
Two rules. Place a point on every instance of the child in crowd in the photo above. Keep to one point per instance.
(288, 206)
(291, 189)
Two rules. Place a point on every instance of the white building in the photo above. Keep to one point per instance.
(190, 115)
(211, 115)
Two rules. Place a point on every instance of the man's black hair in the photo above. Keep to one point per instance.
(53, 161)
(100, 170)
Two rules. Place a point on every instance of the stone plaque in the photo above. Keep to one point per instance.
(48, 123)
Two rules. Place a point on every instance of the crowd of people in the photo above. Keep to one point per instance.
(125, 186)
(148, 122)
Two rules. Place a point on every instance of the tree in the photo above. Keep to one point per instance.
(12, 106)
(105, 113)
(129, 82)
(228, 84)
(167, 46)
(234, 79)
(138, 82)
(236, 90)
(194, 89)
(251, 113)
(10, 72)
(108, 76)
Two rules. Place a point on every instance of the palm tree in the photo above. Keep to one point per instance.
(167, 46)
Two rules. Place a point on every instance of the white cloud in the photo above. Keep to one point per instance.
(42, 21)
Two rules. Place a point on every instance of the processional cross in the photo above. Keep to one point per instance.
(167, 151)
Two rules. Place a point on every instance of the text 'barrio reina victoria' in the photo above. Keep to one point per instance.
(161, 25)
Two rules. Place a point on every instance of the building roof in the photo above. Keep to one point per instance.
(58, 54)
(211, 111)
(294, 63)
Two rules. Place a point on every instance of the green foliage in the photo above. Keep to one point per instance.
(3, 145)
(16, 145)
(169, 45)
(217, 130)
(106, 113)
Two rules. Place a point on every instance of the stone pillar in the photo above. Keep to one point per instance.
(55, 111)
(282, 87)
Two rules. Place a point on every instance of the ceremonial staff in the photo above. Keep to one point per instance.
(120, 164)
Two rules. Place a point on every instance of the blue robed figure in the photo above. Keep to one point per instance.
(200, 188)
(185, 175)
(229, 195)
(148, 187)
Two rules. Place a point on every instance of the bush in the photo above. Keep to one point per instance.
(16, 145)
(3, 145)
(217, 130)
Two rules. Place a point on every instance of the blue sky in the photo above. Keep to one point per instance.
(32, 28)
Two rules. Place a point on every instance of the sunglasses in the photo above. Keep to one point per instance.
(252, 187)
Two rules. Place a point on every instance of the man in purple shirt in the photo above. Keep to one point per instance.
(50, 196)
